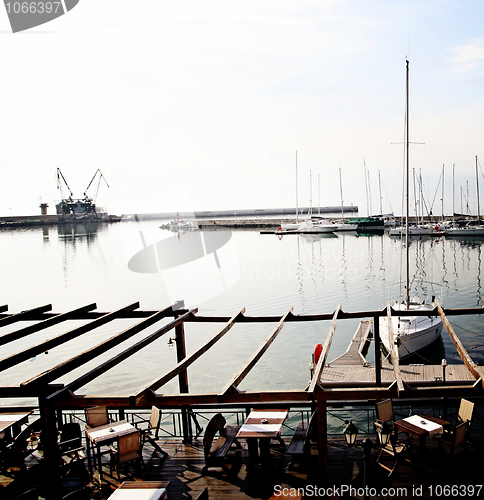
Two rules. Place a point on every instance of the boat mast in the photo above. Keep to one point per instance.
(297, 208)
(341, 195)
(478, 205)
(407, 263)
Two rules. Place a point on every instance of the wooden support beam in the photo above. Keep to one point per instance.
(58, 318)
(115, 360)
(26, 354)
(322, 427)
(80, 359)
(255, 358)
(24, 315)
(477, 371)
(185, 363)
(393, 354)
(324, 354)
(377, 350)
(3, 308)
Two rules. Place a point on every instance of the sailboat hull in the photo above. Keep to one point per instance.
(411, 334)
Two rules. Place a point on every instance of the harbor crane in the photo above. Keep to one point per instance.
(101, 176)
(60, 179)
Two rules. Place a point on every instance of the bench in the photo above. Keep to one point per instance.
(300, 446)
(215, 453)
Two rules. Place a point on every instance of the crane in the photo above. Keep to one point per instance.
(101, 176)
(61, 178)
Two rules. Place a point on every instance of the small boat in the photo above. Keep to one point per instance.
(344, 225)
(319, 226)
(409, 334)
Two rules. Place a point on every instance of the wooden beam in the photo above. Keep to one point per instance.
(80, 359)
(476, 371)
(24, 315)
(185, 363)
(393, 354)
(115, 360)
(324, 354)
(58, 318)
(3, 308)
(255, 358)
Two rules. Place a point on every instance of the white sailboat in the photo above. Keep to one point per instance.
(471, 228)
(409, 334)
(344, 226)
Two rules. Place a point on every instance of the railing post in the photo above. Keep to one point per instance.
(322, 439)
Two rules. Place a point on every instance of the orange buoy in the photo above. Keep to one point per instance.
(318, 349)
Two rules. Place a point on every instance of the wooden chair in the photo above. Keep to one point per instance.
(70, 443)
(386, 418)
(454, 442)
(465, 414)
(392, 447)
(150, 433)
(215, 453)
(300, 446)
(96, 416)
(128, 449)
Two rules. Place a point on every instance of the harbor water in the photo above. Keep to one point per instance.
(220, 272)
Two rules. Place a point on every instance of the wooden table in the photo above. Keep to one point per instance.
(103, 435)
(421, 427)
(262, 426)
(141, 490)
(11, 422)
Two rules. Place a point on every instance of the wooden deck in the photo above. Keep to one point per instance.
(183, 470)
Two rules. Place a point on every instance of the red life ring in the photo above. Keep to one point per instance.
(436, 228)
(318, 349)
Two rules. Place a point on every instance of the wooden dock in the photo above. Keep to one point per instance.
(354, 353)
(352, 367)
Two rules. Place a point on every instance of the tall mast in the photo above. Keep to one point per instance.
(478, 204)
(379, 188)
(443, 173)
(297, 208)
(407, 280)
(341, 195)
(453, 191)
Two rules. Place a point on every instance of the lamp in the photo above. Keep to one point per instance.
(350, 432)
(384, 431)
(171, 341)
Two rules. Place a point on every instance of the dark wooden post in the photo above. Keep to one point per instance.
(181, 353)
(376, 341)
(322, 440)
(51, 476)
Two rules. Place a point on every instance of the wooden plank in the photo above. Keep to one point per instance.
(42, 325)
(84, 357)
(253, 360)
(185, 363)
(477, 371)
(115, 360)
(24, 315)
(324, 354)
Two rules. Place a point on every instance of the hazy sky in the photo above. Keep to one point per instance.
(203, 104)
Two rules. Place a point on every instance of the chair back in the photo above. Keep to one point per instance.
(384, 411)
(129, 443)
(216, 423)
(96, 416)
(71, 436)
(466, 411)
(154, 418)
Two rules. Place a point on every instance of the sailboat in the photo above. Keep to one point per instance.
(411, 334)
(293, 226)
(471, 228)
(344, 226)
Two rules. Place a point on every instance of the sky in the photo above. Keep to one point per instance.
(202, 105)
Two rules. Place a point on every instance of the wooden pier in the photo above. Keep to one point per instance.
(354, 353)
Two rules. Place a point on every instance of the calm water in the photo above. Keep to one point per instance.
(72, 266)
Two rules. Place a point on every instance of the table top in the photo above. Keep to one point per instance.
(421, 425)
(141, 493)
(109, 431)
(10, 418)
(263, 423)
